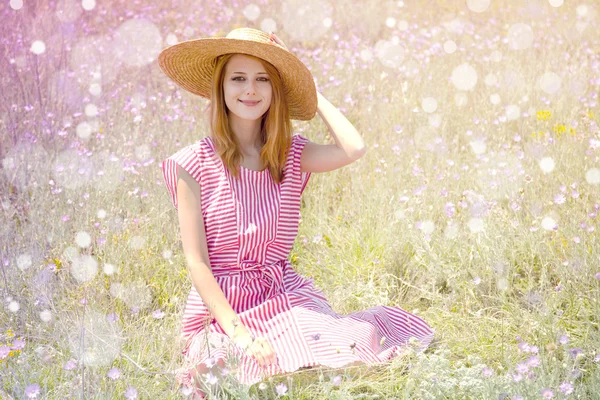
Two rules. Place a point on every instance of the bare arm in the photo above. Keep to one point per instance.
(193, 238)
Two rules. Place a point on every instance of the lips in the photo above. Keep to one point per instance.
(250, 103)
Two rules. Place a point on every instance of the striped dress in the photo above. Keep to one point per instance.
(251, 225)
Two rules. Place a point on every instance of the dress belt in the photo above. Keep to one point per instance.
(270, 276)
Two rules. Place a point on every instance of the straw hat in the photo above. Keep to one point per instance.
(190, 64)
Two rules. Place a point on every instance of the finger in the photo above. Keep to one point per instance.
(257, 353)
(268, 353)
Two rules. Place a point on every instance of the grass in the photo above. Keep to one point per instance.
(399, 227)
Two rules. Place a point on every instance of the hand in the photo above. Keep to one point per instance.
(258, 348)
(275, 39)
(262, 352)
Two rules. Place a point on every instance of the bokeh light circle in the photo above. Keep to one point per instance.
(83, 239)
(548, 223)
(16, 4)
(137, 42)
(38, 47)
(102, 342)
(88, 5)
(556, 3)
(303, 19)
(84, 130)
(251, 12)
(390, 54)
(84, 268)
(24, 261)
(464, 77)
(429, 104)
(68, 10)
(268, 25)
(550, 82)
(449, 46)
(592, 176)
(520, 36)
(512, 112)
(547, 164)
(478, 6)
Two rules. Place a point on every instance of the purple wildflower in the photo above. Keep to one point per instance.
(566, 388)
(4, 350)
(574, 352)
(112, 317)
(547, 394)
(533, 361)
(131, 393)
(32, 391)
(281, 389)
(69, 365)
(522, 368)
(487, 372)
(114, 373)
(563, 339)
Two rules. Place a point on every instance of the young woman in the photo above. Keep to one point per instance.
(237, 192)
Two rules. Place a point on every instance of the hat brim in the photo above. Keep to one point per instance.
(190, 64)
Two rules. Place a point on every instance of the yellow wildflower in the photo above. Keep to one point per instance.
(543, 115)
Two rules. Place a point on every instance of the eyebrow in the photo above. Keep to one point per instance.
(245, 73)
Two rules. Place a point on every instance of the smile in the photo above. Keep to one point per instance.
(250, 103)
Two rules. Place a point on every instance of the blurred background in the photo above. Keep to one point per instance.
(475, 206)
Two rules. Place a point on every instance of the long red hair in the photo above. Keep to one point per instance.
(275, 125)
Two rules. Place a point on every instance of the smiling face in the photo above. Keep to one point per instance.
(246, 80)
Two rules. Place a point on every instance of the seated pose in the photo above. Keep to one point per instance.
(237, 194)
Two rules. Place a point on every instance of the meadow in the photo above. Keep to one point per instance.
(475, 207)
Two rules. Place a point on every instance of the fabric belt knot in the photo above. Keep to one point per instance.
(270, 276)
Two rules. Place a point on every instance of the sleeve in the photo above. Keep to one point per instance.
(189, 161)
(298, 143)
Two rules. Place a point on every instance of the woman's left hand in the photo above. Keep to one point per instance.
(275, 39)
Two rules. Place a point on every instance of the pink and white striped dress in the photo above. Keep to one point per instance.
(251, 225)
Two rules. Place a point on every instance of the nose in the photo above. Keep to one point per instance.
(250, 90)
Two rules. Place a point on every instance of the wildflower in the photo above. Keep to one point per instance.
(211, 379)
(4, 350)
(574, 352)
(131, 393)
(114, 373)
(225, 371)
(559, 198)
(336, 380)
(158, 314)
(32, 391)
(262, 386)
(517, 397)
(112, 317)
(522, 368)
(186, 390)
(547, 394)
(476, 280)
(69, 365)
(597, 276)
(210, 362)
(487, 372)
(566, 388)
(281, 389)
(533, 361)
(517, 377)
(563, 339)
